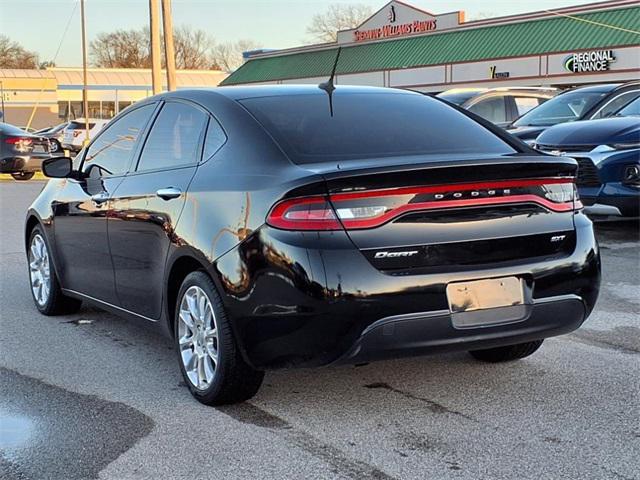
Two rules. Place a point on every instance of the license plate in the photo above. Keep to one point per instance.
(38, 149)
(485, 294)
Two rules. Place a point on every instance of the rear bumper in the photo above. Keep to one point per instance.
(21, 164)
(433, 332)
(312, 298)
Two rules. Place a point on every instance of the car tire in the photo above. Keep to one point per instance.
(55, 303)
(507, 353)
(21, 176)
(198, 314)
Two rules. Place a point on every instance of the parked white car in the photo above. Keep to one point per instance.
(75, 133)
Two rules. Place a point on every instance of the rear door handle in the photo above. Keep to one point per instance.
(100, 198)
(169, 193)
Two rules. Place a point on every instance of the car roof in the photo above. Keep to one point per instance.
(256, 91)
(601, 88)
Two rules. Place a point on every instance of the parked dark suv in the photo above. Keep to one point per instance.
(591, 102)
(278, 226)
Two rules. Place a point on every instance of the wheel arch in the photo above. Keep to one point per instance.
(179, 267)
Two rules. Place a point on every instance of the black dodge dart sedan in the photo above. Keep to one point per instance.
(278, 226)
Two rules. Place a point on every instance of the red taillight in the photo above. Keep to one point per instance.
(308, 213)
(21, 144)
(372, 208)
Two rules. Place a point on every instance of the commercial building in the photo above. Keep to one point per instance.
(50, 96)
(406, 47)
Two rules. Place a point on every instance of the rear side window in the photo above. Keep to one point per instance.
(174, 139)
(369, 125)
(214, 140)
(493, 109)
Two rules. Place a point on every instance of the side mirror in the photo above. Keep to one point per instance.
(57, 167)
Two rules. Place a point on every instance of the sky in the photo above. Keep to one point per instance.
(39, 24)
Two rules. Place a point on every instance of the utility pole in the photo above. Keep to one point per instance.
(156, 66)
(169, 50)
(85, 100)
(3, 118)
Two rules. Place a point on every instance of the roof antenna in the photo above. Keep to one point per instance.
(328, 86)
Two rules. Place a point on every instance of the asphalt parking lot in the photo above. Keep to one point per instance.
(92, 396)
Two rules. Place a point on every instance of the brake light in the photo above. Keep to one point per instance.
(21, 144)
(372, 208)
(308, 213)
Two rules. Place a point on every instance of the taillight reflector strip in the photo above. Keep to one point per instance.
(372, 208)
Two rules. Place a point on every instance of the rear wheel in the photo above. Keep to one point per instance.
(20, 176)
(507, 353)
(45, 287)
(210, 361)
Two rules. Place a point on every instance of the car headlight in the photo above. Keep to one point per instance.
(625, 146)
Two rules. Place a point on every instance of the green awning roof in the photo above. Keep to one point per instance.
(557, 34)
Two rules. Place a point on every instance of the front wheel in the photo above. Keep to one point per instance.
(45, 287)
(21, 176)
(507, 353)
(210, 360)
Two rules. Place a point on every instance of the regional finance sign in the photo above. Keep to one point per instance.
(594, 61)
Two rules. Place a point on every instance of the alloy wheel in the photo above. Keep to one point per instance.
(39, 270)
(198, 337)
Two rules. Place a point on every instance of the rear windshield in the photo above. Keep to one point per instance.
(79, 126)
(369, 125)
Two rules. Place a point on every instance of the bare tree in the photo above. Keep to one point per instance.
(14, 55)
(228, 56)
(194, 49)
(130, 49)
(121, 49)
(324, 26)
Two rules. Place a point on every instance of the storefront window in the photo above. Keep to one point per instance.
(108, 110)
(75, 110)
(123, 105)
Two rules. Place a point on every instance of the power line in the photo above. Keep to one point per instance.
(599, 24)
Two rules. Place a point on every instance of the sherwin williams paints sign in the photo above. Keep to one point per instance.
(398, 19)
(594, 61)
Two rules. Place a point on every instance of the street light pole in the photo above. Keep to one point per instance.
(85, 100)
(169, 50)
(154, 19)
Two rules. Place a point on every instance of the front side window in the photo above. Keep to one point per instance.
(616, 104)
(369, 125)
(174, 139)
(492, 109)
(111, 152)
(524, 104)
(630, 110)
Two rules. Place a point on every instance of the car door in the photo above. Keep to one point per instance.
(147, 205)
(82, 207)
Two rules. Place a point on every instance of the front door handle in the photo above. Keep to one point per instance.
(169, 193)
(100, 198)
